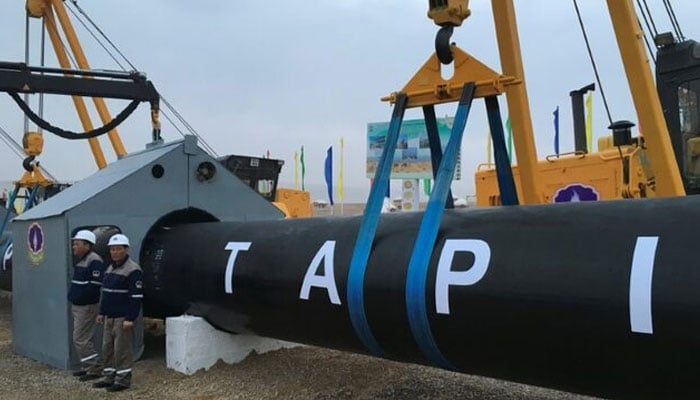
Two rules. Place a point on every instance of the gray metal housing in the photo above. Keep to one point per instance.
(126, 194)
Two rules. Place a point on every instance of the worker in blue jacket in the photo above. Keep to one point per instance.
(122, 292)
(84, 296)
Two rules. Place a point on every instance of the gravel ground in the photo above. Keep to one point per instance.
(298, 373)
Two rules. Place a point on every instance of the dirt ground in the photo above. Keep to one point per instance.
(298, 373)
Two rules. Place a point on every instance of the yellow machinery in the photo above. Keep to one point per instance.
(536, 180)
(428, 88)
(624, 169)
(33, 145)
(48, 10)
(292, 202)
(578, 176)
(262, 175)
(620, 170)
(20, 79)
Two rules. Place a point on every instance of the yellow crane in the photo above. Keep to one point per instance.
(623, 167)
(19, 78)
(54, 12)
(427, 88)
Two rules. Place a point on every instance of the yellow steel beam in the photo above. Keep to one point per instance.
(78, 101)
(646, 100)
(516, 96)
(83, 64)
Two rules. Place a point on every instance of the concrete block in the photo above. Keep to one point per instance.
(193, 344)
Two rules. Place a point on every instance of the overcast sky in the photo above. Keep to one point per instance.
(253, 76)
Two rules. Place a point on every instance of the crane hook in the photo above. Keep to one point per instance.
(442, 44)
(29, 163)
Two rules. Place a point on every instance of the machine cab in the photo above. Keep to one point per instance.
(261, 174)
(678, 84)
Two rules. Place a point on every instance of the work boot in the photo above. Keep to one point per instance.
(78, 374)
(116, 388)
(89, 377)
(102, 384)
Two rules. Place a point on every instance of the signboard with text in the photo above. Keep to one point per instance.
(412, 154)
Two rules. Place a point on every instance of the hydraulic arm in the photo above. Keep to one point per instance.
(79, 83)
(18, 78)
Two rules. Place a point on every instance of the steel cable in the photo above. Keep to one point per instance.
(590, 55)
(172, 109)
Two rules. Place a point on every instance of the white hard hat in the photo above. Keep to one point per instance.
(85, 235)
(118, 240)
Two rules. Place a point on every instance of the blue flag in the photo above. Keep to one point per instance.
(556, 131)
(329, 173)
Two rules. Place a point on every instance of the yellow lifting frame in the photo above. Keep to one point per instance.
(427, 87)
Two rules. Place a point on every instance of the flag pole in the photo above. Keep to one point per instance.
(296, 170)
(489, 152)
(509, 132)
(589, 121)
(303, 169)
(341, 188)
(555, 114)
(328, 174)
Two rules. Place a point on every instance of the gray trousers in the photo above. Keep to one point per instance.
(83, 332)
(117, 352)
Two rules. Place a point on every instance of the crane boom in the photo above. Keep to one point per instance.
(21, 78)
(645, 97)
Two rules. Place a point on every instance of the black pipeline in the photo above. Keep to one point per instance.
(598, 297)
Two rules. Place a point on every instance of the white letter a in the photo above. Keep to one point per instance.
(327, 280)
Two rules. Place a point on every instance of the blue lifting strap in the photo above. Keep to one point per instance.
(368, 229)
(504, 172)
(435, 146)
(427, 234)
